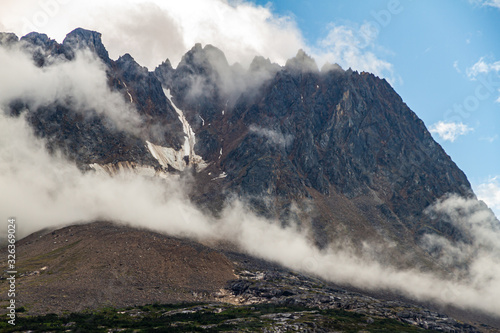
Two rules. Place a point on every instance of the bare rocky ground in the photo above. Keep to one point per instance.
(90, 267)
(102, 264)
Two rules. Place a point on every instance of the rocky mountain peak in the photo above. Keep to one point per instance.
(8, 38)
(164, 73)
(202, 77)
(261, 64)
(80, 39)
(166, 63)
(128, 64)
(327, 67)
(302, 63)
(202, 59)
(42, 47)
(38, 39)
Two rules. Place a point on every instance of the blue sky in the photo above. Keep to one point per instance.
(432, 47)
(442, 57)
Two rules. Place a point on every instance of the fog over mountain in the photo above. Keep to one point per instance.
(326, 172)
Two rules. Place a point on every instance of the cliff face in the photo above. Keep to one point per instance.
(336, 150)
(342, 141)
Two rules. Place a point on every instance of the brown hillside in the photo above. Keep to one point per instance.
(101, 264)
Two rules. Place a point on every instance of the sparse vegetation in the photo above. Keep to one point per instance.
(196, 317)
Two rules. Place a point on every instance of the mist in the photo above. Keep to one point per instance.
(273, 136)
(43, 190)
(207, 66)
(80, 84)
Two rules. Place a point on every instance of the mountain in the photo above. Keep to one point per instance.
(337, 151)
(342, 140)
(329, 151)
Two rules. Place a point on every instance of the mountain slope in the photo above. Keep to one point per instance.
(342, 141)
(103, 264)
(335, 151)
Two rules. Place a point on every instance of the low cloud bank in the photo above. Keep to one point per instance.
(80, 84)
(43, 190)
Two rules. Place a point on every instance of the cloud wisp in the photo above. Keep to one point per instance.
(273, 137)
(450, 131)
(482, 67)
(353, 47)
(488, 3)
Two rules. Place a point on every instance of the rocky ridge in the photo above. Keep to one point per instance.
(289, 289)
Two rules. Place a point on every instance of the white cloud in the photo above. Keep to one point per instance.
(273, 136)
(491, 3)
(489, 139)
(489, 192)
(449, 131)
(353, 47)
(482, 67)
(481, 255)
(153, 30)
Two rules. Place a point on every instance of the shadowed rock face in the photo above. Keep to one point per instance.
(85, 39)
(341, 146)
(350, 134)
(8, 38)
(86, 137)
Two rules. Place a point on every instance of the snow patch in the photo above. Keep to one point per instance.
(131, 99)
(222, 175)
(168, 156)
(123, 168)
(189, 135)
(175, 159)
